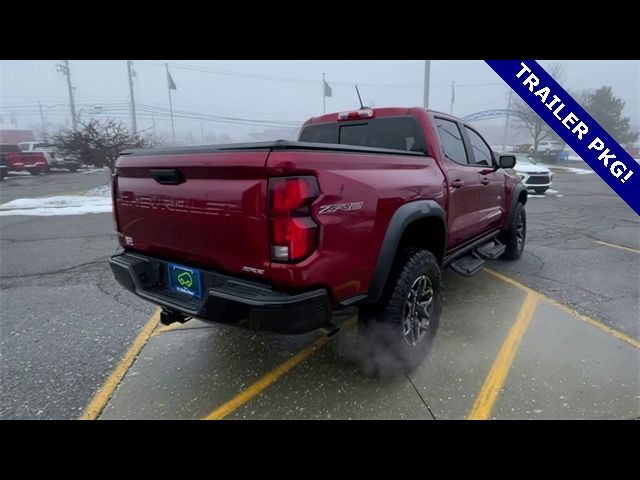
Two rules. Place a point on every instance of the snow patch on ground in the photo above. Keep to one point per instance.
(59, 205)
(103, 191)
(577, 171)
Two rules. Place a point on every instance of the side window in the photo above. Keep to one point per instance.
(481, 151)
(452, 141)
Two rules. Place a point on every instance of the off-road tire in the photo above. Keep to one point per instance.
(514, 237)
(384, 347)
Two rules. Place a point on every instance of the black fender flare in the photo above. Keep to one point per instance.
(517, 191)
(401, 219)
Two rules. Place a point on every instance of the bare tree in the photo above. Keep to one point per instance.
(99, 143)
(530, 121)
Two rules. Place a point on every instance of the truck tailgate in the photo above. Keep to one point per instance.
(205, 209)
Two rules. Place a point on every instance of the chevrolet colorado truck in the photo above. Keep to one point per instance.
(365, 210)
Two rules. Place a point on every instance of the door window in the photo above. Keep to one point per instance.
(481, 151)
(452, 141)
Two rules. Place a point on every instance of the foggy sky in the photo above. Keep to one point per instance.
(382, 83)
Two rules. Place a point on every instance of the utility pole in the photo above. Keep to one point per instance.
(506, 122)
(153, 121)
(131, 73)
(453, 95)
(427, 75)
(64, 68)
(173, 129)
(44, 124)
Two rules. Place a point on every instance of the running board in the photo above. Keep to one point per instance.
(471, 263)
(491, 250)
(468, 265)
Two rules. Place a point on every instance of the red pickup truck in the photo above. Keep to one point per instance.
(365, 209)
(12, 159)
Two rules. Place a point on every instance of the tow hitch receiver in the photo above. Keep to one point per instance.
(168, 316)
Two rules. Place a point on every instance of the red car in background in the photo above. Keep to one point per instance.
(12, 159)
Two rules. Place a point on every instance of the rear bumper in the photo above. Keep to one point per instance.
(226, 299)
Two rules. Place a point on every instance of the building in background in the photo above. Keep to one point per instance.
(16, 136)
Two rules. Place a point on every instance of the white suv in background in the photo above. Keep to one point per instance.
(535, 177)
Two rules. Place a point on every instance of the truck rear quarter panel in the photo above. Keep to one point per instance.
(350, 239)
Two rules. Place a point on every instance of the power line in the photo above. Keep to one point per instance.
(197, 68)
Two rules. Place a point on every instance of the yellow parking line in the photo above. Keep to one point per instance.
(166, 328)
(561, 306)
(263, 383)
(488, 394)
(621, 247)
(102, 396)
(259, 386)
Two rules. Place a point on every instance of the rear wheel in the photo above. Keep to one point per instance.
(397, 333)
(33, 171)
(515, 235)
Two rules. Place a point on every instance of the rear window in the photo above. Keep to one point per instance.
(400, 133)
(9, 148)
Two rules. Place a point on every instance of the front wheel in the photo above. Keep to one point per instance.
(33, 171)
(515, 235)
(397, 333)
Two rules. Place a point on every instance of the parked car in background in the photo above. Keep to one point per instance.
(523, 148)
(13, 159)
(549, 147)
(54, 158)
(534, 176)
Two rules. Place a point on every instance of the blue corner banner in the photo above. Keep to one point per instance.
(574, 125)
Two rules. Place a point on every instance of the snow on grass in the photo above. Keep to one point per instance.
(58, 205)
(577, 171)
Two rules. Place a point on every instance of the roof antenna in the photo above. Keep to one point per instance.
(362, 107)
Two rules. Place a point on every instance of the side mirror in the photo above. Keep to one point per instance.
(507, 161)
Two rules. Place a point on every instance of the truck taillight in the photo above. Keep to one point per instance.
(294, 234)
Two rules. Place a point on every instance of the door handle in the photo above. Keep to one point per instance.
(457, 183)
(485, 181)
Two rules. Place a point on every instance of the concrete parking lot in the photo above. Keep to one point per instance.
(553, 335)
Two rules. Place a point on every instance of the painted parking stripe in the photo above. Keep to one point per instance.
(494, 382)
(575, 313)
(614, 245)
(263, 383)
(102, 396)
